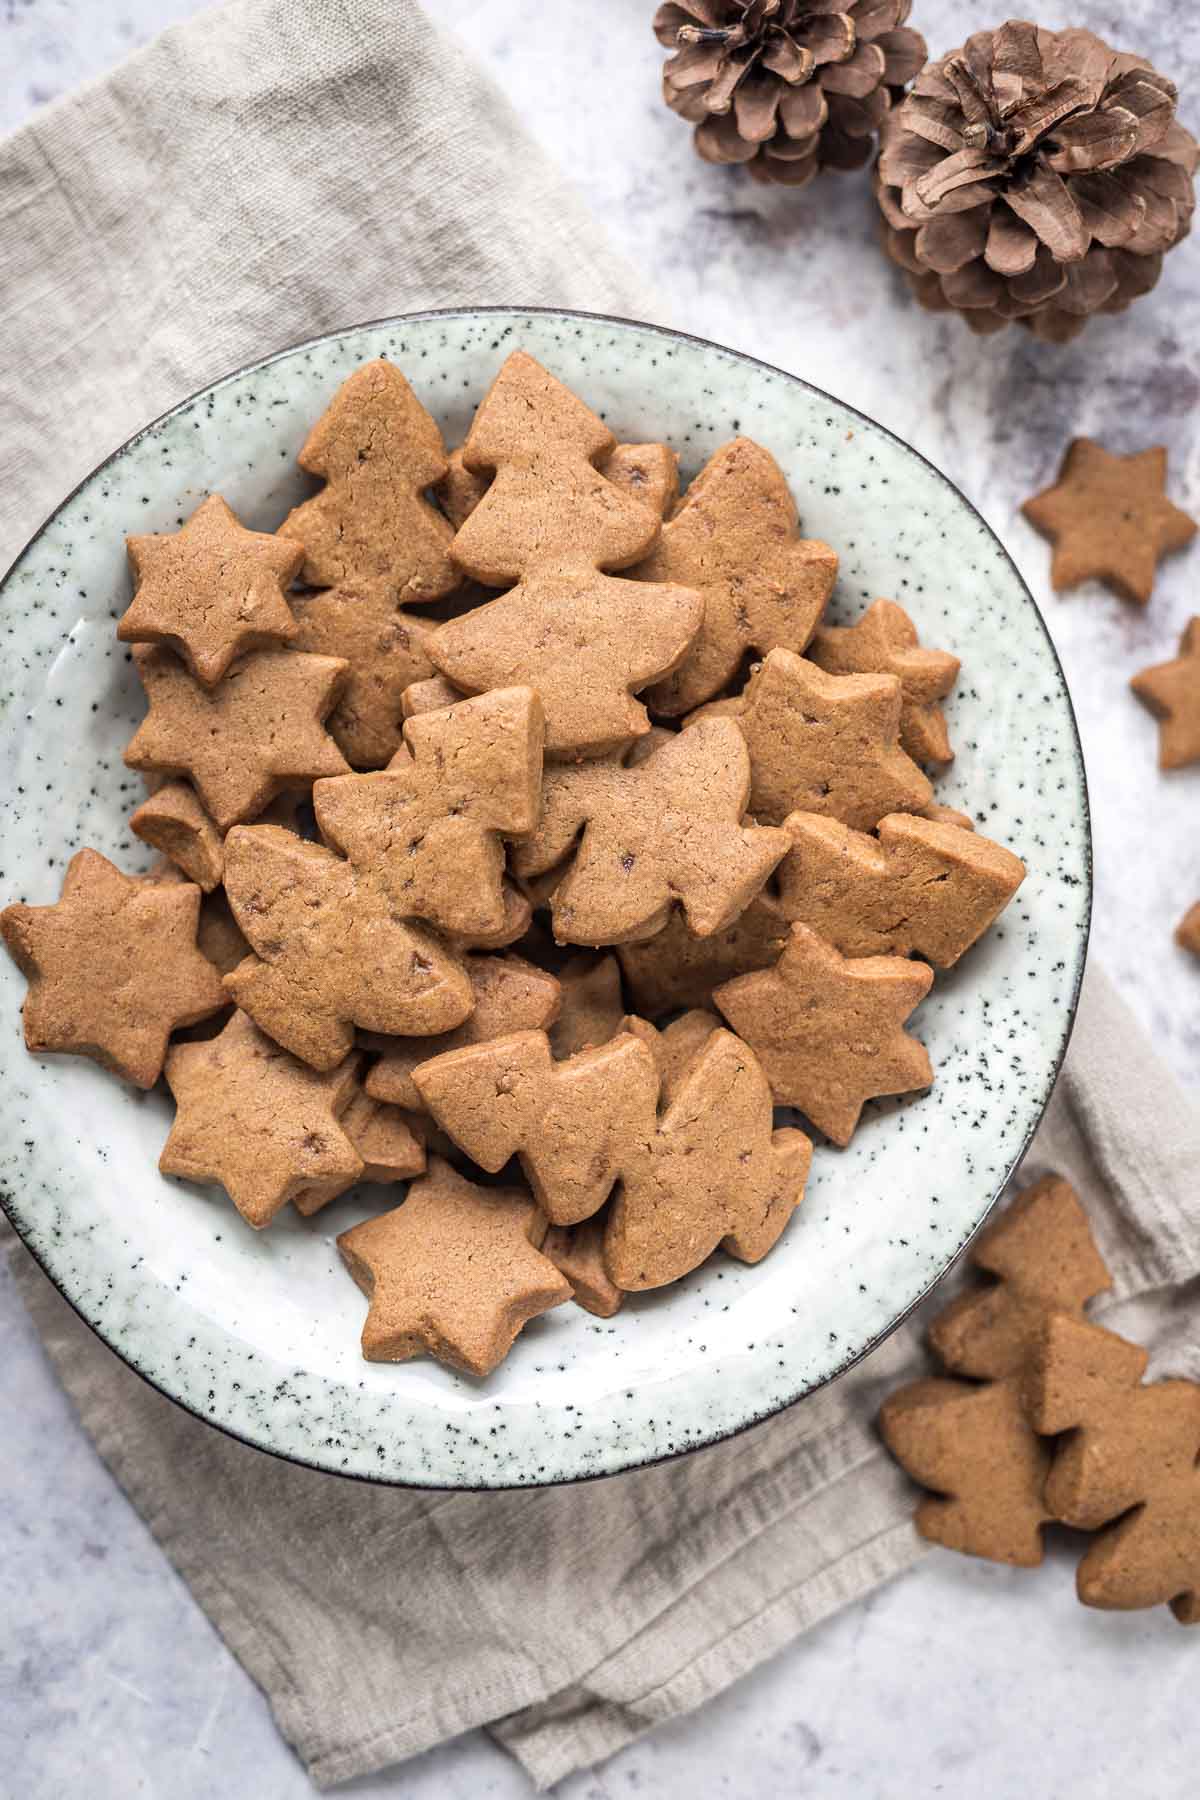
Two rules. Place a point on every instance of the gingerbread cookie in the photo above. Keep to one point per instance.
(331, 953)
(592, 1007)
(391, 1150)
(885, 642)
(975, 1446)
(1130, 1461)
(918, 886)
(577, 1251)
(454, 1273)
(707, 1170)
(378, 450)
(218, 934)
(384, 650)
(258, 732)
(667, 830)
(947, 815)
(113, 967)
(676, 1047)
(429, 695)
(211, 591)
(1187, 932)
(1109, 519)
(259, 1122)
(510, 995)
(736, 538)
(649, 472)
(430, 824)
(1172, 692)
(518, 913)
(830, 1032)
(677, 968)
(175, 822)
(550, 523)
(824, 744)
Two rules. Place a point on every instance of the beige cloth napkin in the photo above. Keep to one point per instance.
(264, 172)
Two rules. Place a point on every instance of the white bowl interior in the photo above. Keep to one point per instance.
(259, 1331)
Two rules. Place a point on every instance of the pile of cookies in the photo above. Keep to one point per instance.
(1042, 1417)
(523, 819)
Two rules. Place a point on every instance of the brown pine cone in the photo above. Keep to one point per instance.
(787, 87)
(1035, 175)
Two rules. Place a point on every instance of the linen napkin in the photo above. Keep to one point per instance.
(269, 170)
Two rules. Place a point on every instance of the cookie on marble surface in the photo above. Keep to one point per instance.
(330, 952)
(384, 650)
(454, 1273)
(259, 731)
(1127, 1459)
(829, 1031)
(667, 831)
(211, 591)
(430, 825)
(377, 450)
(113, 967)
(707, 1169)
(917, 887)
(259, 1122)
(548, 529)
(1187, 932)
(1109, 519)
(1171, 690)
(975, 1445)
(885, 642)
(823, 743)
(510, 995)
(174, 820)
(736, 538)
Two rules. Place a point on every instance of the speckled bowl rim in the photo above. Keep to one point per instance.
(719, 1436)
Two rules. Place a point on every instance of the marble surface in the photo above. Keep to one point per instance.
(961, 1677)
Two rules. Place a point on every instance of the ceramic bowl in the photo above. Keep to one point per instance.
(258, 1332)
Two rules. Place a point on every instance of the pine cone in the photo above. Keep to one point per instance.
(1038, 176)
(787, 86)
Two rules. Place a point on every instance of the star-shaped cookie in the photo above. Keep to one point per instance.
(454, 1273)
(384, 646)
(390, 1149)
(1172, 692)
(823, 743)
(211, 591)
(828, 1030)
(260, 730)
(885, 642)
(736, 539)
(1187, 932)
(262, 1124)
(1109, 519)
(113, 967)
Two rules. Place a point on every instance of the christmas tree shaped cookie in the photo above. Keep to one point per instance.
(430, 824)
(331, 952)
(972, 1441)
(707, 1169)
(378, 450)
(1130, 1461)
(384, 650)
(736, 538)
(550, 523)
(664, 831)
